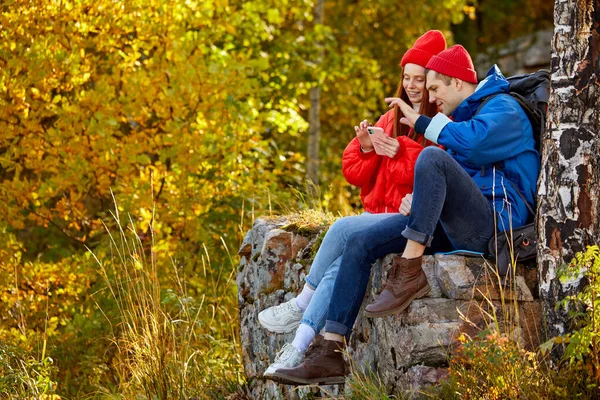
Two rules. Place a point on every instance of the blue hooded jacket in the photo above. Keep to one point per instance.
(494, 147)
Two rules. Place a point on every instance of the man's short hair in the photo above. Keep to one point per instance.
(445, 78)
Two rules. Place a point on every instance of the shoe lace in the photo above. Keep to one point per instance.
(313, 352)
(393, 272)
(396, 278)
(285, 307)
(285, 353)
(393, 277)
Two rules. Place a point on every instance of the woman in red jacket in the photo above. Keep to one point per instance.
(383, 169)
(382, 166)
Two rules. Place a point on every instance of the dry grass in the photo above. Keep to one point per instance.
(167, 345)
(494, 363)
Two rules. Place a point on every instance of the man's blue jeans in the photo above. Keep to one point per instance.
(443, 192)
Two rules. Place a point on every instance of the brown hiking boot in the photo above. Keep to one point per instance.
(324, 365)
(406, 282)
(316, 343)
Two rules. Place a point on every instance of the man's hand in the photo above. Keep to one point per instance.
(406, 204)
(363, 135)
(385, 145)
(410, 115)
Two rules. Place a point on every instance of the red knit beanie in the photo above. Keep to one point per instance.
(428, 45)
(454, 62)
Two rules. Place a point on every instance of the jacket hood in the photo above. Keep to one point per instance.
(493, 83)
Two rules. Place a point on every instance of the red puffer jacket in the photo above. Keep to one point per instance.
(383, 181)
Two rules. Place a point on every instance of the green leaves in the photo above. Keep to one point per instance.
(583, 344)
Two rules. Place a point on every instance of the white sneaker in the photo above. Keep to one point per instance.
(287, 357)
(283, 318)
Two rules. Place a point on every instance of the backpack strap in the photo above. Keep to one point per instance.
(483, 103)
(522, 198)
(534, 116)
(520, 99)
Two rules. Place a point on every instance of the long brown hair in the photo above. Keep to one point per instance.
(426, 108)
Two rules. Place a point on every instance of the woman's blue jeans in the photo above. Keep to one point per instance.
(443, 193)
(326, 264)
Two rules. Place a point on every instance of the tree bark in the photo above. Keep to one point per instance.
(314, 114)
(569, 184)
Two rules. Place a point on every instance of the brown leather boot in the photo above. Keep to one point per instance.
(325, 365)
(406, 282)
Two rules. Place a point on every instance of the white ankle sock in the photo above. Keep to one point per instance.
(304, 337)
(304, 297)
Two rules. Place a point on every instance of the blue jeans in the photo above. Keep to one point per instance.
(443, 193)
(326, 264)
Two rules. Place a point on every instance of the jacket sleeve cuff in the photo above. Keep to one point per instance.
(366, 154)
(435, 127)
(422, 124)
(362, 150)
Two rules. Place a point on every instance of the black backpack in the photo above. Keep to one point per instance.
(532, 91)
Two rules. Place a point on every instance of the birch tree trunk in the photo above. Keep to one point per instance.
(569, 184)
(314, 114)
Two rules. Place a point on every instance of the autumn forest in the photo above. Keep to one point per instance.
(140, 139)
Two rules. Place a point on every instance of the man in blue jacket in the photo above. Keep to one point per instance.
(479, 184)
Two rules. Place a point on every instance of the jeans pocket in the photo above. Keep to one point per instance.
(477, 243)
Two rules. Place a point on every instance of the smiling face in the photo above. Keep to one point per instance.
(413, 82)
(446, 93)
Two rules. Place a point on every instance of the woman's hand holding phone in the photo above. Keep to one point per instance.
(383, 144)
(363, 135)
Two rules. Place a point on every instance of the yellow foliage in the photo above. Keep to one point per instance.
(130, 95)
(193, 114)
